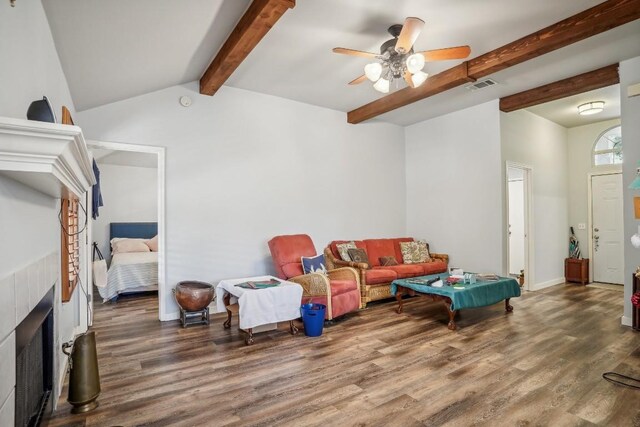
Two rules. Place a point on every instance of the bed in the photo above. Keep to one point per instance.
(131, 272)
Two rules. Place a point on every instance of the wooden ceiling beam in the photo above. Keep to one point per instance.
(256, 22)
(596, 20)
(581, 83)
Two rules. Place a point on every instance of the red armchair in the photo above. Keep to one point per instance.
(339, 291)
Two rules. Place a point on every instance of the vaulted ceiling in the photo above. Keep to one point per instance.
(113, 50)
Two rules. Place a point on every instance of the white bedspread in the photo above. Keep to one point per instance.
(131, 272)
(261, 306)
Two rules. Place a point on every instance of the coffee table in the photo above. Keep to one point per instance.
(479, 294)
(257, 307)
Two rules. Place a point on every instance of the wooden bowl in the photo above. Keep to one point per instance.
(193, 296)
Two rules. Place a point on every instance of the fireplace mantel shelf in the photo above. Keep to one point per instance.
(48, 157)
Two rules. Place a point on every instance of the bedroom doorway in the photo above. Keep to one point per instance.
(132, 184)
(518, 188)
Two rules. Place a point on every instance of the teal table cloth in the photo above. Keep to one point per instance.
(479, 294)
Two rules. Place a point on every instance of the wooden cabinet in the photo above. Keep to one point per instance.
(576, 270)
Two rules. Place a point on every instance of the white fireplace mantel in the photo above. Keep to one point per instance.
(48, 157)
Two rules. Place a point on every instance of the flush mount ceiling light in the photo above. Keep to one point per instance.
(397, 59)
(589, 108)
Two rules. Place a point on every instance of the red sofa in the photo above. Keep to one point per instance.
(375, 282)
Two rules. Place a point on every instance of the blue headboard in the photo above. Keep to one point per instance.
(134, 230)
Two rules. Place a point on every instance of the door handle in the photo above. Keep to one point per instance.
(596, 230)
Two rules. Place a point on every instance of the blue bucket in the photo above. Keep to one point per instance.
(313, 318)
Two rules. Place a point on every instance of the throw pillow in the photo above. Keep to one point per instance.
(121, 246)
(358, 255)
(343, 250)
(387, 261)
(313, 264)
(153, 243)
(414, 252)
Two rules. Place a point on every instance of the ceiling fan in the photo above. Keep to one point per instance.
(397, 58)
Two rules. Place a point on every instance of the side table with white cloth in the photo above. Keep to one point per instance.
(257, 307)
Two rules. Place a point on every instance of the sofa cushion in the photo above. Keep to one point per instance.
(359, 255)
(292, 269)
(377, 248)
(414, 252)
(406, 270)
(380, 275)
(433, 267)
(343, 250)
(314, 264)
(396, 246)
(339, 287)
(387, 260)
(334, 246)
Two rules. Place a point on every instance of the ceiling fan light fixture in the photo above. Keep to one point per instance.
(415, 62)
(382, 85)
(418, 78)
(589, 108)
(373, 71)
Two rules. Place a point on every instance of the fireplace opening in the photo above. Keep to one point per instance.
(34, 364)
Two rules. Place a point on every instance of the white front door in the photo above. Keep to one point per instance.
(607, 228)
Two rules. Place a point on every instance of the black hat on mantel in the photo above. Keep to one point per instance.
(41, 111)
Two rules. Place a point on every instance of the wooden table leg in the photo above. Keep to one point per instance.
(292, 328)
(399, 292)
(452, 314)
(508, 306)
(249, 339)
(227, 323)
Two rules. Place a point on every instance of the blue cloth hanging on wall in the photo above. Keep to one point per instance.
(96, 192)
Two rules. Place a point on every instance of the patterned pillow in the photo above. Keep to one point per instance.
(386, 261)
(313, 264)
(414, 252)
(358, 255)
(343, 250)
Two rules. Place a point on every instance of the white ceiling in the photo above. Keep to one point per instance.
(117, 49)
(565, 111)
(124, 158)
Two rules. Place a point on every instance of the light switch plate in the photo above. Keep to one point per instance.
(582, 226)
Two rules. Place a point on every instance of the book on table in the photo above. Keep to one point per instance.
(263, 284)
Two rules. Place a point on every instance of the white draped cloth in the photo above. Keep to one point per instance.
(261, 306)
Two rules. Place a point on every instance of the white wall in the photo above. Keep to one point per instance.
(130, 194)
(581, 140)
(29, 226)
(454, 197)
(531, 140)
(630, 74)
(243, 167)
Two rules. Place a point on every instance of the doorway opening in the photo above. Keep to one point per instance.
(518, 186)
(606, 230)
(129, 230)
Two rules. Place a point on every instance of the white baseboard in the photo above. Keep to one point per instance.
(626, 321)
(547, 284)
(175, 315)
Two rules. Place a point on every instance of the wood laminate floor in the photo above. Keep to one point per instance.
(540, 365)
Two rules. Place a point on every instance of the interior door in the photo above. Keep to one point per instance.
(607, 228)
(516, 226)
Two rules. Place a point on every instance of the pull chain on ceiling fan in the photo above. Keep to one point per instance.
(397, 58)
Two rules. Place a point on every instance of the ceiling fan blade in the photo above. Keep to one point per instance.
(458, 52)
(409, 34)
(354, 52)
(358, 80)
(407, 78)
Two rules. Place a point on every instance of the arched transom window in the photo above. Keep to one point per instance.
(607, 149)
